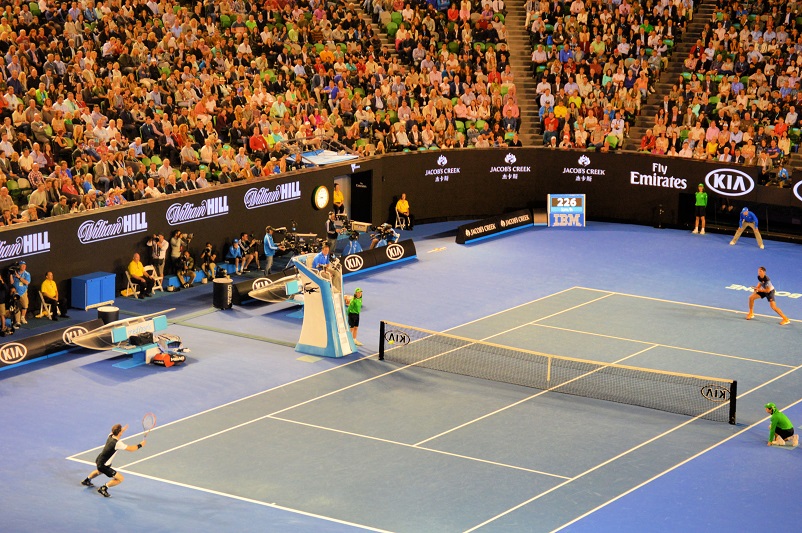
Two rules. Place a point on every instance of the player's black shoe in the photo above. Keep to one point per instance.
(104, 491)
(87, 483)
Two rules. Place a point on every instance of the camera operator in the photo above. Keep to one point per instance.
(385, 234)
(332, 231)
(270, 249)
(250, 252)
(208, 258)
(9, 306)
(51, 296)
(20, 279)
(159, 246)
(353, 246)
(178, 243)
(186, 270)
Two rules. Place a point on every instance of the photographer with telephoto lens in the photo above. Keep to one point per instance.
(208, 258)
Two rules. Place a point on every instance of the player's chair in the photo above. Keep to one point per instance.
(132, 289)
(399, 221)
(45, 309)
(157, 281)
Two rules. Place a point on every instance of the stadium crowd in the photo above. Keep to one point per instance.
(106, 102)
(113, 101)
(736, 100)
(596, 62)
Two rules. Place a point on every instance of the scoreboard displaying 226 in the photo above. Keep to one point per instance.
(566, 210)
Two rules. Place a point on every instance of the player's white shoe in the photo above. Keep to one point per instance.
(795, 441)
(695, 230)
(761, 246)
(732, 243)
(702, 232)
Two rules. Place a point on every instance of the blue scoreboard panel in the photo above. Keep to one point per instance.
(566, 210)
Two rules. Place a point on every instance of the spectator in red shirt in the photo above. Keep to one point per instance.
(550, 126)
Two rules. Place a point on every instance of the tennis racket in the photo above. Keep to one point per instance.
(148, 423)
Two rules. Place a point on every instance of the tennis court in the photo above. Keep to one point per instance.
(385, 446)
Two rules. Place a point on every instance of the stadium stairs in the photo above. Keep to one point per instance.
(520, 62)
(670, 75)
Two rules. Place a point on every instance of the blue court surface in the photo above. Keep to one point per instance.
(252, 436)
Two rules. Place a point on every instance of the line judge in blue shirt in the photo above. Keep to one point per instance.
(747, 220)
(270, 249)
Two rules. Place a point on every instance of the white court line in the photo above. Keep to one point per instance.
(519, 306)
(737, 311)
(663, 345)
(320, 373)
(399, 369)
(620, 455)
(244, 499)
(415, 446)
(661, 474)
(550, 389)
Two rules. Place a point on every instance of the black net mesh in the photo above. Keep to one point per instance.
(697, 396)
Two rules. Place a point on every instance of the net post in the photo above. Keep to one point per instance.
(381, 340)
(733, 397)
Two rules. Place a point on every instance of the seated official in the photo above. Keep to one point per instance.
(322, 261)
(138, 275)
(338, 200)
(51, 296)
(404, 215)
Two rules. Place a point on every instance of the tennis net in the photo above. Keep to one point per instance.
(685, 394)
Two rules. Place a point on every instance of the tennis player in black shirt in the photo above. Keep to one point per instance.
(114, 444)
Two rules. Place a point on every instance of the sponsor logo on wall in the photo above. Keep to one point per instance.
(25, 245)
(487, 228)
(798, 190)
(263, 196)
(261, 283)
(510, 171)
(103, 229)
(585, 171)
(353, 262)
(394, 252)
(443, 171)
(575, 220)
(188, 211)
(729, 182)
(658, 178)
(13, 352)
(72, 332)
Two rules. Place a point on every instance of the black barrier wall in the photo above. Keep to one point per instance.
(440, 185)
(104, 240)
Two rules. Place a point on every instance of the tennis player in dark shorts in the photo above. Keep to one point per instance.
(113, 444)
(764, 289)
